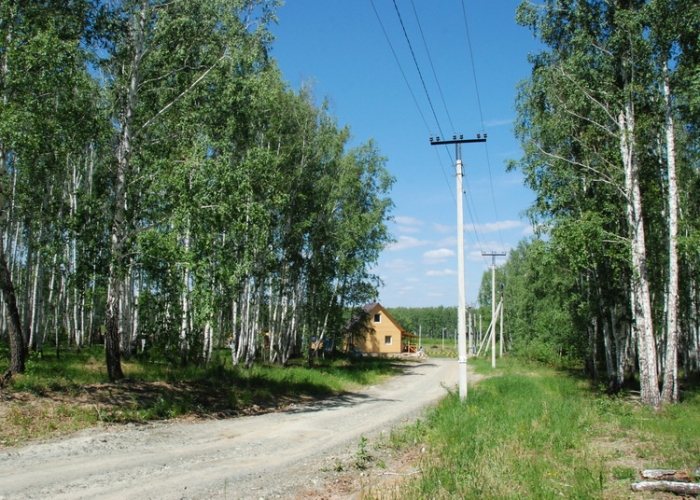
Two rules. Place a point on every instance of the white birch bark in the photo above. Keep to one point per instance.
(185, 299)
(670, 385)
(639, 285)
(117, 236)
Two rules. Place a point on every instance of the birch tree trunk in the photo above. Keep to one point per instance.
(670, 385)
(641, 298)
(18, 350)
(118, 232)
(185, 299)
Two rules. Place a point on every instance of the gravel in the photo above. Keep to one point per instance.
(275, 455)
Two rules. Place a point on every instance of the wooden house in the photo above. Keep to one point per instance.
(375, 332)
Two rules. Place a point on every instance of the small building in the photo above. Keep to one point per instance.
(375, 332)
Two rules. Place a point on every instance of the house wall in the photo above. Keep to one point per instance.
(375, 342)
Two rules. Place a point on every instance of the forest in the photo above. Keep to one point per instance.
(608, 121)
(165, 193)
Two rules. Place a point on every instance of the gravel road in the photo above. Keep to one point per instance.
(266, 456)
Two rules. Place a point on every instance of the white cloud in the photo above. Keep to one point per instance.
(450, 241)
(489, 227)
(401, 265)
(492, 227)
(406, 242)
(495, 246)
(437, 256)
(407, 221)
(409, 225)
(475, 256)
(443, 229)
(444, 272)
(498, 123)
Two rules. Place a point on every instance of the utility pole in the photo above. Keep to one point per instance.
(493, 256)
(503, 306)
(470, 349)
(461, 307)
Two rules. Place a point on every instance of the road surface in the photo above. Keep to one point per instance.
(264, 456)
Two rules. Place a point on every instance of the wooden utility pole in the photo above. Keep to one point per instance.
(461, 306)
(493, 256)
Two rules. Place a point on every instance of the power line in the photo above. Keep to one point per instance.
(413, 96)
(415, 61)
(471, 209)
(430, 59)
(399, 64)
(481, 116)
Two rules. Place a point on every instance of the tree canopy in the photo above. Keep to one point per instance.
(608, 124)
(165, 190)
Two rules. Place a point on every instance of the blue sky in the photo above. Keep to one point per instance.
(341, 47)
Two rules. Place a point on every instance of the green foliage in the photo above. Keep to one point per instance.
(601, 60)
(430, 320)
(542, 305)
(154, 148)
(362, 456)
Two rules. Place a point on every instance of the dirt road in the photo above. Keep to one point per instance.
(266, 456)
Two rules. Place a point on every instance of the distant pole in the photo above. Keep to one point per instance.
(419, 338)
(493, 256)
(481, 326)
(469, 332)
(502, 307)
(461, 306)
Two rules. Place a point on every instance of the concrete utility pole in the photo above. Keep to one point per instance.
(493, 256)
(501, 345)
(470, 330)
(461, 307)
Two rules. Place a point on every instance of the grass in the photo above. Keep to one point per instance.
(57, 396)
(437, 348)
(532, 432)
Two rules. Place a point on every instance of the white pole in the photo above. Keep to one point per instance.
(481, 327)
(462, 340)
(493, 313)
(501, 307)
(419, 338)
(469, 331)
(461, 307)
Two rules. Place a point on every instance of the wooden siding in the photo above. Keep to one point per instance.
(387, 327)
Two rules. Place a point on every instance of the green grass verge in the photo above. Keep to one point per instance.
(532, 432)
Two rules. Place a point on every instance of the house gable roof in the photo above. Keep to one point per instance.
(374, 307)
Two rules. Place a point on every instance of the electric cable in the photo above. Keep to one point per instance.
(415, 61)
(410, 89)
(432, 66)
(413, 96)
(481, 116)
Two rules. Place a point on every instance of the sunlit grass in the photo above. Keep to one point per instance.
(532, 432)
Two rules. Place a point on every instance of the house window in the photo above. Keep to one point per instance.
(387, 339)
(378, 318)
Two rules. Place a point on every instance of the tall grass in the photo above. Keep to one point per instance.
(531, 432)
